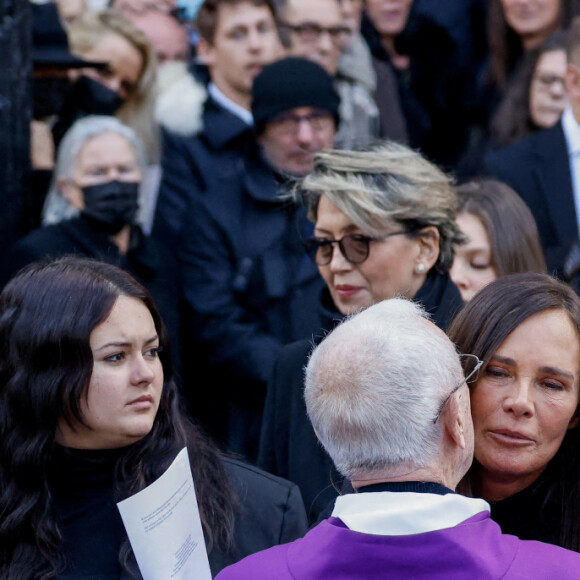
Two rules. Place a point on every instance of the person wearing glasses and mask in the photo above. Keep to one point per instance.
(525, 405)
(249, 287)
(384, 227)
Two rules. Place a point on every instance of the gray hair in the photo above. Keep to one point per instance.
(56, 206)
(384, 184)
(374, 385)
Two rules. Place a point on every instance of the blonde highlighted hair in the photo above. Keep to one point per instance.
(384, 185)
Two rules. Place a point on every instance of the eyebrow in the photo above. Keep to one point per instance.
(345, 229)
(475, 249)
(125, 344)
(555, 371)
(544, 369)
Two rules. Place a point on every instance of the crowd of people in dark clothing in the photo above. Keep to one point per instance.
(246, 176)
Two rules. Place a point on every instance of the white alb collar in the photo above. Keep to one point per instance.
(389, 513)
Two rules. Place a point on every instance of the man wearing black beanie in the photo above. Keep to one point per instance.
(248, 285)
(295, 109)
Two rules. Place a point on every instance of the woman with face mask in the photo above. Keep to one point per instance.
(125, 87)
(93, 210)
(117, 78)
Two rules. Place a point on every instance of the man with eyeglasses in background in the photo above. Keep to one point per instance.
(248, 284)
(318, 31)
(386, 395)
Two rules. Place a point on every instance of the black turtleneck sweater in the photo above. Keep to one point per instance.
(81, 482)
(531, 514)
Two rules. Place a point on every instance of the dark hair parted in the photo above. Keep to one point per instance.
(208, 15)
(47, 313)
(482, 326)
(512, 121)
(509, 224)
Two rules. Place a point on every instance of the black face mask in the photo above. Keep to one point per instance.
(49, 96)
(93, 98)
(87, 97)
(112, 205)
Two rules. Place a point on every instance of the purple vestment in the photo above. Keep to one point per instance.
(473, 549)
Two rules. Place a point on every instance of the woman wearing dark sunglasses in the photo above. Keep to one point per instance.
(384, 227)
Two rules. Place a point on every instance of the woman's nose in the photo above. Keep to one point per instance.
(142, 371)
(338, 262)
(457, 273)
(519, 399)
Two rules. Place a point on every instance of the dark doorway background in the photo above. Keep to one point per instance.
(15, 114)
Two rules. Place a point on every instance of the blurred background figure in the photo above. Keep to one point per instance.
(199, 149)
(126, 86)
(179, 98)
(70, 10)
(500, 233)
(138, 7)
(537, 96)
(166, 34)
(93, 210)
(433, 49)
(185, 11)
(320, 32)
(515, 98)
(249, 287)
(516, 27)
(384, 226)
(543, 168)
(52, 88)
(357, 62)
(525, 405)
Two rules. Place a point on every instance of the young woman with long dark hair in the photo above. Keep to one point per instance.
(89, 415)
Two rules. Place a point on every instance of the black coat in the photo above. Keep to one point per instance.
(190, 164)
(538, 169)
(148, 261)
(533, 513)
(250, 289)
(288, 445)
(438, 91)
(269, 512)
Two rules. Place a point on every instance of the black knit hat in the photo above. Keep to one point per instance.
(290, 83)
